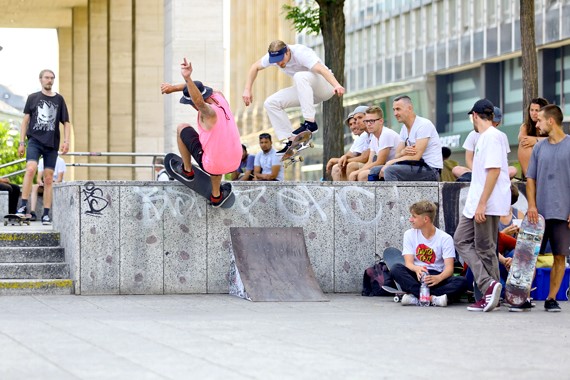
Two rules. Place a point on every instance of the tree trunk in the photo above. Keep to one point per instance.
(528, 48)
(332, 24)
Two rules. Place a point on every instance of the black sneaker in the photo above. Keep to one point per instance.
(552, 305)
(46, 220)
(21, 211)
(307, 126)
(33, 216)
(526, 306)
(225, 192)
(178, 168)
(285, 148)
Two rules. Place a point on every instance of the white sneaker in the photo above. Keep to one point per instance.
(410, 300)
(440, 301)
(46, 220)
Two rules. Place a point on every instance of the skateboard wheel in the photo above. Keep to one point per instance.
(295, 151)
(396, 299)
(5, 223)
(311, 145)
(301, 159)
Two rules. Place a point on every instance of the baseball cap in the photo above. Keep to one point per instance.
(277, 56)
(482, 106)
(498, 115)
(360, 109)
(205, 90)
(350, 116)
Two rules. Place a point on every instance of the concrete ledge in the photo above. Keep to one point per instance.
(35, 287)
(140, 237)
(4, 205)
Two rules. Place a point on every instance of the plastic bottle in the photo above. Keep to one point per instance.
(425, 298)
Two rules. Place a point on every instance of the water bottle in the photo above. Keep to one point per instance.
(425, 298)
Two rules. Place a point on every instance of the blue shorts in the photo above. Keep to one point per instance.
(36, 149)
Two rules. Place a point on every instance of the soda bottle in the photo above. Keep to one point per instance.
(425, 298)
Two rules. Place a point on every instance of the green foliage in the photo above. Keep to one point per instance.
(10, 153)
(305, 19)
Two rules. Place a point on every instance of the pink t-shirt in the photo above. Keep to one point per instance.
(221, 144)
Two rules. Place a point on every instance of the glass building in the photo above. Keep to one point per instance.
(446, 54)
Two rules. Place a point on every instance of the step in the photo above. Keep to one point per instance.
(36, 287)
(32, 255)
(29, 239)
(34, 270)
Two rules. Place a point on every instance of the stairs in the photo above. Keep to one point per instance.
(33, 263)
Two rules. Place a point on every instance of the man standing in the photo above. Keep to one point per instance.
(488, 198)
(313, 83)
(217, 148)
(418, 156)
(43, 112)
(547, 176)
(267, 165)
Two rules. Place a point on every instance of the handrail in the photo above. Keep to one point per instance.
(12, 163)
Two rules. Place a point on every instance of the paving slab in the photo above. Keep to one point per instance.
(224, 337)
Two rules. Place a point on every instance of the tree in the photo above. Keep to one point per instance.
(9, 152)
(331, 23)
(528, 49)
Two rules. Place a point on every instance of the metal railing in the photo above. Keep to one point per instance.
(152, 166)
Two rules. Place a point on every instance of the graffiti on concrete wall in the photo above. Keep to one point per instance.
(155, 202)
(93, 198)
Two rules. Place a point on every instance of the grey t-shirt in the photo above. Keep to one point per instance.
(550, 167)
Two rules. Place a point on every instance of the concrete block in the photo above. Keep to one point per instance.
(141, 242)
(4, 203)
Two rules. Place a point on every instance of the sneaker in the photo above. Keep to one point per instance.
(307, 126)
(21, 211)
(492, 295)
(526, 306)
(46, 220)
(285, 148)
(410, 300)
(477, 306)
(226, 191)
(33, 216)
(552, 306)
(178, 168)
(440, 301)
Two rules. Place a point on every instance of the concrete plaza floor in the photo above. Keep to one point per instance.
(224, 337)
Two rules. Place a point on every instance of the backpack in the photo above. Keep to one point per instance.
(374, 278)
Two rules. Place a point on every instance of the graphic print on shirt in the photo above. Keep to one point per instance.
(47, 113)
(425, 254)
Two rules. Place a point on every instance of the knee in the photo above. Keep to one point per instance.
(48, 180)
(272, 102)
(31, 168)
(398, 268)
(181, 127)
(335, 172)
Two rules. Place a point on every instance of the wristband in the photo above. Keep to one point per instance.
(22, 143)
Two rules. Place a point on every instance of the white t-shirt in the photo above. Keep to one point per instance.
(267, 160)
(423, 128)
(473, 137)
(361, 143)
(490, 152)
(388, 139)
(302, 59)
(429, 253)
(59, 167)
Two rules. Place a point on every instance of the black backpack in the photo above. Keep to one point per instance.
(374, 278)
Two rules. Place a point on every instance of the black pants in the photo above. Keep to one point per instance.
(13, 196)
(453, 286)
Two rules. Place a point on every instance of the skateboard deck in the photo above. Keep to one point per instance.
(301, 142)
(14, 219)
(393, 256)
(201, 183)
(517, 287)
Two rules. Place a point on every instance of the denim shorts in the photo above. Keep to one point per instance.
(36, 149)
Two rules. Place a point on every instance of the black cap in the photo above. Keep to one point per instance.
(483, 106)
(204, 90)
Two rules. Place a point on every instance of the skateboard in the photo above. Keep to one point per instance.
(14, 219)
(301, 142)
(393, 256)
(517, 287)
(201, 183)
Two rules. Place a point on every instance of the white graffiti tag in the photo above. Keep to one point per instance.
(357, 207)
(155, 202)
(298, 204)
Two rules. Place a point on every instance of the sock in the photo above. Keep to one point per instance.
(190, 173)
(46, 211)
(215, 199)
(24, 203)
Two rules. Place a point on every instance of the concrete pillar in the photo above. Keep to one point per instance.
(148, 63)
(80, 92)
(120, 64)
(65, 73)
(98, 128)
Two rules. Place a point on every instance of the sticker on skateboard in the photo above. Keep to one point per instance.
(14, 219)
(519, 281)
(201, 183)
(301, 142)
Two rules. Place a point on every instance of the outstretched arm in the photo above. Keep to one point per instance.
(319, 68)
(251, 75)
(167, 88)
(207, 114)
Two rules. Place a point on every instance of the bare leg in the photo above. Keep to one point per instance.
(48, 186)
(338, 173)
(556, 275)
(34, 197)
(31, 168)
(216, 182)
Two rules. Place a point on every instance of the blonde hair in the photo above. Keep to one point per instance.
(377, 110)
(424, 208)
(276, 45)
